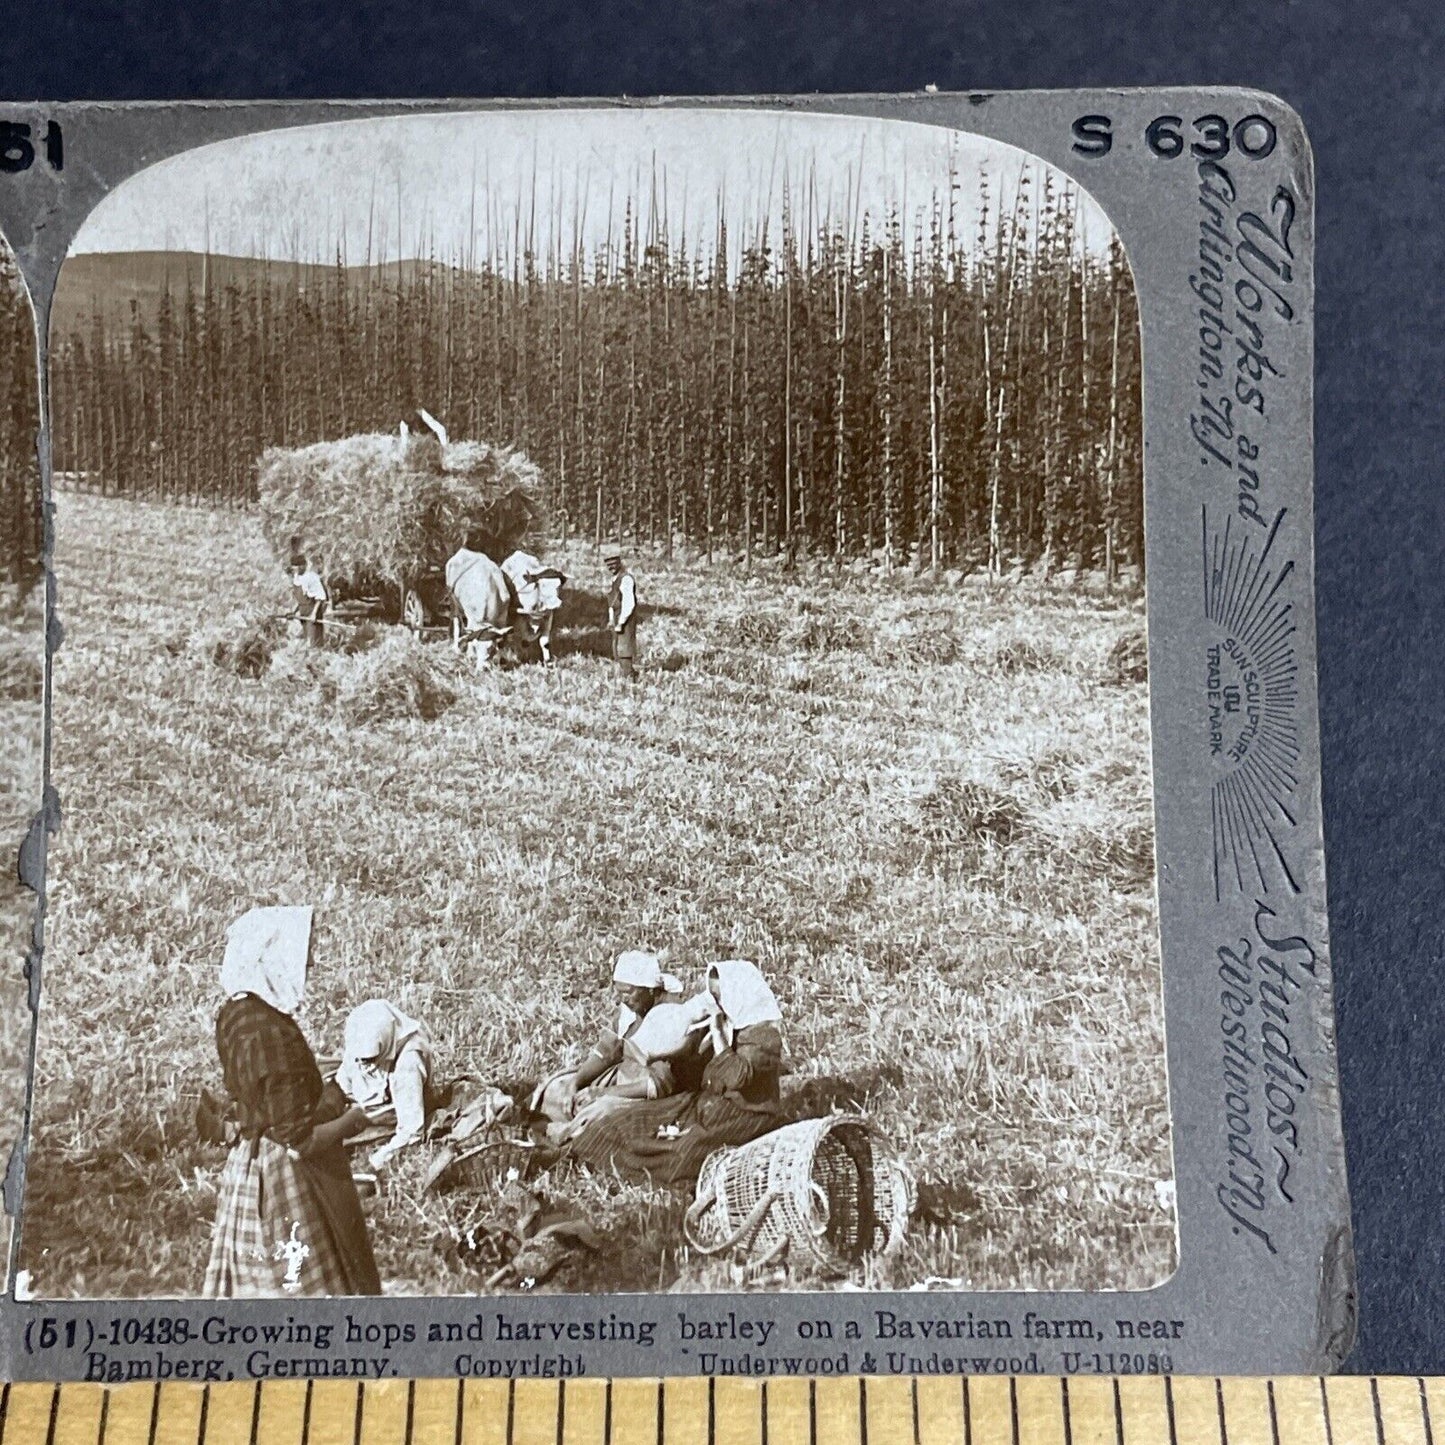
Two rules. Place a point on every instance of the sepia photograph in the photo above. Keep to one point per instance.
(602, 722)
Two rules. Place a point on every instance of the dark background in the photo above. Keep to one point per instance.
(1372, 92)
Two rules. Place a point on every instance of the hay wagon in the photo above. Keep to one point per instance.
(378, 516)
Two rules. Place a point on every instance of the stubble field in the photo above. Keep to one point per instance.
(923, 808)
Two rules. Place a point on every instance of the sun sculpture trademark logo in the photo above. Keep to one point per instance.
(1251, 677)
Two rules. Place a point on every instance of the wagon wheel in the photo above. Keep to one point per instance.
(413, 609)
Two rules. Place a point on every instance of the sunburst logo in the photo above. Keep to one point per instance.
(1251, 677)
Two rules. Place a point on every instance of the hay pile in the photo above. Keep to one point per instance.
(378, 507)
(1128, 660)
(1099, 843)
(1021, 654)
(391, 678)
(242, 644)
(963, 812)
(370, 675)
(395, 680)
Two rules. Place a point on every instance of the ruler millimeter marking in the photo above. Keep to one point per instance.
(870, 1410)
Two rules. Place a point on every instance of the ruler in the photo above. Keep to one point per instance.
(874, 1410)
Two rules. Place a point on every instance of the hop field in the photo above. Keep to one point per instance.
(924, 808)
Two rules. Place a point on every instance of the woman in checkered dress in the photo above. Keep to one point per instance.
(288, 1220)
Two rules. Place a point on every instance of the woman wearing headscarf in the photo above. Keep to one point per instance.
(609, 1070)
(386, 1070)
(654, 1055)
(288, 1220)
(738, 1100)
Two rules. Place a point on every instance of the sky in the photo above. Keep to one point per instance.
(473, 182)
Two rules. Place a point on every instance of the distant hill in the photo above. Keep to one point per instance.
(112, 280)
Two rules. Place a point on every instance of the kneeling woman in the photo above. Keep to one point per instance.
(288, 1220)
(667, 1141)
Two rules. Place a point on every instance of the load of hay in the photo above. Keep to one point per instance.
(374, 508)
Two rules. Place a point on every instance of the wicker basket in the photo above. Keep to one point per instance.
(827, 1190)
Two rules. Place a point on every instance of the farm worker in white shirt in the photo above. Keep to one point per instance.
(311, 598)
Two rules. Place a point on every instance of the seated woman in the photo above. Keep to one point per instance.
(640, 985)
(663, 1038)
(288, 1220)
(386, 1069)
(665, 1142)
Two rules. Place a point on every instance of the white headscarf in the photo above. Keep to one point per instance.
(376, 1033)
(639, 969)
(266, 954)
(744, 996)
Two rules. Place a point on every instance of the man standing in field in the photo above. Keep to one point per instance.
(622, 615)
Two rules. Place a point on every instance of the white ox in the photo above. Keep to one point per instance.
(481, 618)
